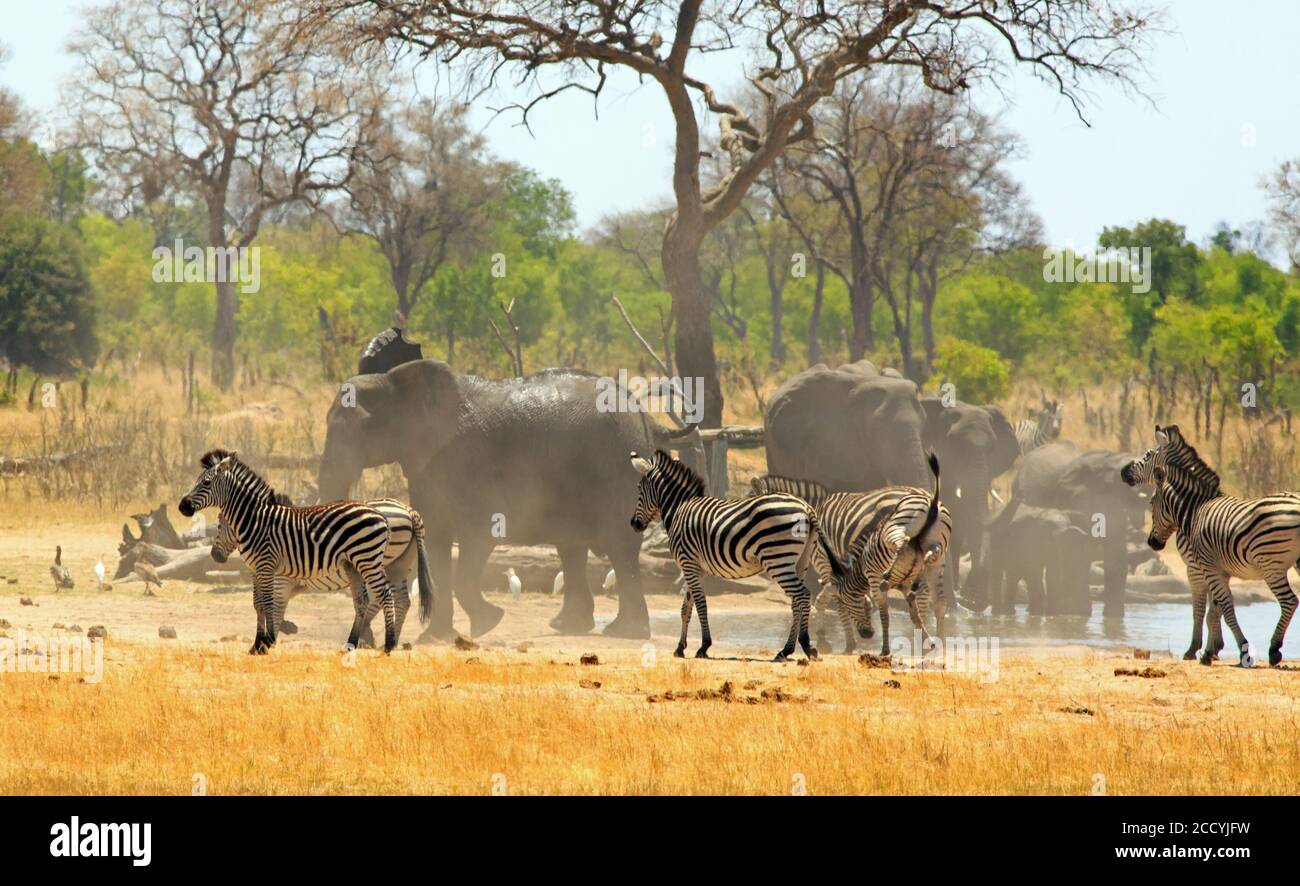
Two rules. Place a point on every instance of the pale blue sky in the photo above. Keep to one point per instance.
(1225, 67)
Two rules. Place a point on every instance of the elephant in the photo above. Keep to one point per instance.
(850, 429)
(1060, 475)
(1027, 541)
(976, 444)
(536, 460)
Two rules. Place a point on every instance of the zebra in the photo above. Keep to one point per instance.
(846, 517)
(1041, 428)
(1220, 537)
(405, 553)
(346, 537)
(730, 538)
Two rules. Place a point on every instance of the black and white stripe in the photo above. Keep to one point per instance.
(1220, 537)
(403, 557)
(848, 518)
(340, 538)
(1040, 429)
(730, 538)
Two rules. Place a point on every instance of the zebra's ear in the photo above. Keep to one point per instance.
(642, 465)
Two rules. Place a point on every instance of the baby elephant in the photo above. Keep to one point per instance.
(1050, 550)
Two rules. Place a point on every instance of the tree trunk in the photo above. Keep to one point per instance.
(224, 333)
(693, 336)
(862, 299)
(401, 285)
(814, 319)
(778, 341)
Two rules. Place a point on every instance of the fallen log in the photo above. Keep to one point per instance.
(191, 564)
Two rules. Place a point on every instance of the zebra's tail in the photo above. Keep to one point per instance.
(426, 580)
(837, 568)
(931, 515)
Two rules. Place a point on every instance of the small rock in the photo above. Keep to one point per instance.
(589, 684)
(167, 632)
(76, 629)
(589, 658)
(288, 627)
(12, 581)
(97, 632)
(1076, 710)
(893, 684)
(462, 643)
(406, 647)
(1144, 654)
(4, 623)
(473, 659)
(57, 626)
(524, 646)
(25, 601)
(230, 638)
(875, 661)
(1148, 673)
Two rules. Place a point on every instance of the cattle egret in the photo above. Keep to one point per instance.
(99, 574)
(610, 581)
(516, 586)
(559, 584)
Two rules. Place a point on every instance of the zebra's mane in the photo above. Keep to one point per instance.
(247, 479)
(810, 491)
(1187, 462)
(677, 474)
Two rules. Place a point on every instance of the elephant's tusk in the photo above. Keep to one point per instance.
(997, 498)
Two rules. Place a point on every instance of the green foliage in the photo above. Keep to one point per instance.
(981, 376)
(991, 311)
(47, 318)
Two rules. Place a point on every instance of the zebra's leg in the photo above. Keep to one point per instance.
(401, 599)
(846, 618)
(880, 596)
(360, 602)
(918, 605)
(1287, 600)
(690, 578)
(1222, 595)
(263, 592)
(702, 610)
(279, 601)
(1197, 583)
(934, 581)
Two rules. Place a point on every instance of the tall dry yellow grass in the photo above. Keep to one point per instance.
(164, 719)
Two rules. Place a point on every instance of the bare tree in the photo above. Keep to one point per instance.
(232, 96)
(424, 190)
(803, 48)
(1283, 190)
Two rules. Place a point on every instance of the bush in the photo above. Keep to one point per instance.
(981, 376)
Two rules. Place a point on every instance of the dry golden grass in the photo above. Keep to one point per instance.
(448, 721)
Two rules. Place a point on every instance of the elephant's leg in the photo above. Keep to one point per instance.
(1287, 600)
(475, 548)
(437, 548)
(578, 609)
(1115, 563)
(1035, 591)
(633, 619)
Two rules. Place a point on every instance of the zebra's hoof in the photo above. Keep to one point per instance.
(1207, 658)
(1274, 657)
(1189, 655)
(1247, 660)
(701, 653)
(781, 657)
(866, 633)
(679, 652)
(929, 644)
(813, 655)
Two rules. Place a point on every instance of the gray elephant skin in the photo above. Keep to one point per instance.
(1028, 543)
(520, 461)
(851, 429)
(975, 444)
(1062, 476)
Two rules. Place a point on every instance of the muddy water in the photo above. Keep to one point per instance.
(1161, 627)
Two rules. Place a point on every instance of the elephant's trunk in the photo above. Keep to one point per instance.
(910, 467)
(339, 472)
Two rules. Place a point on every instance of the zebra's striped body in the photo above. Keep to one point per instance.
(729, 538)
(1220, 537)
(402, 557)
(340, 538)
(846, 518)
(1040, 429)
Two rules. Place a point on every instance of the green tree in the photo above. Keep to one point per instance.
(46, 316)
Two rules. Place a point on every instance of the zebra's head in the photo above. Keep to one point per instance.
(664, 483)
(213, 485)
(1163, 518)
(1050, 417)
(1141, 471)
